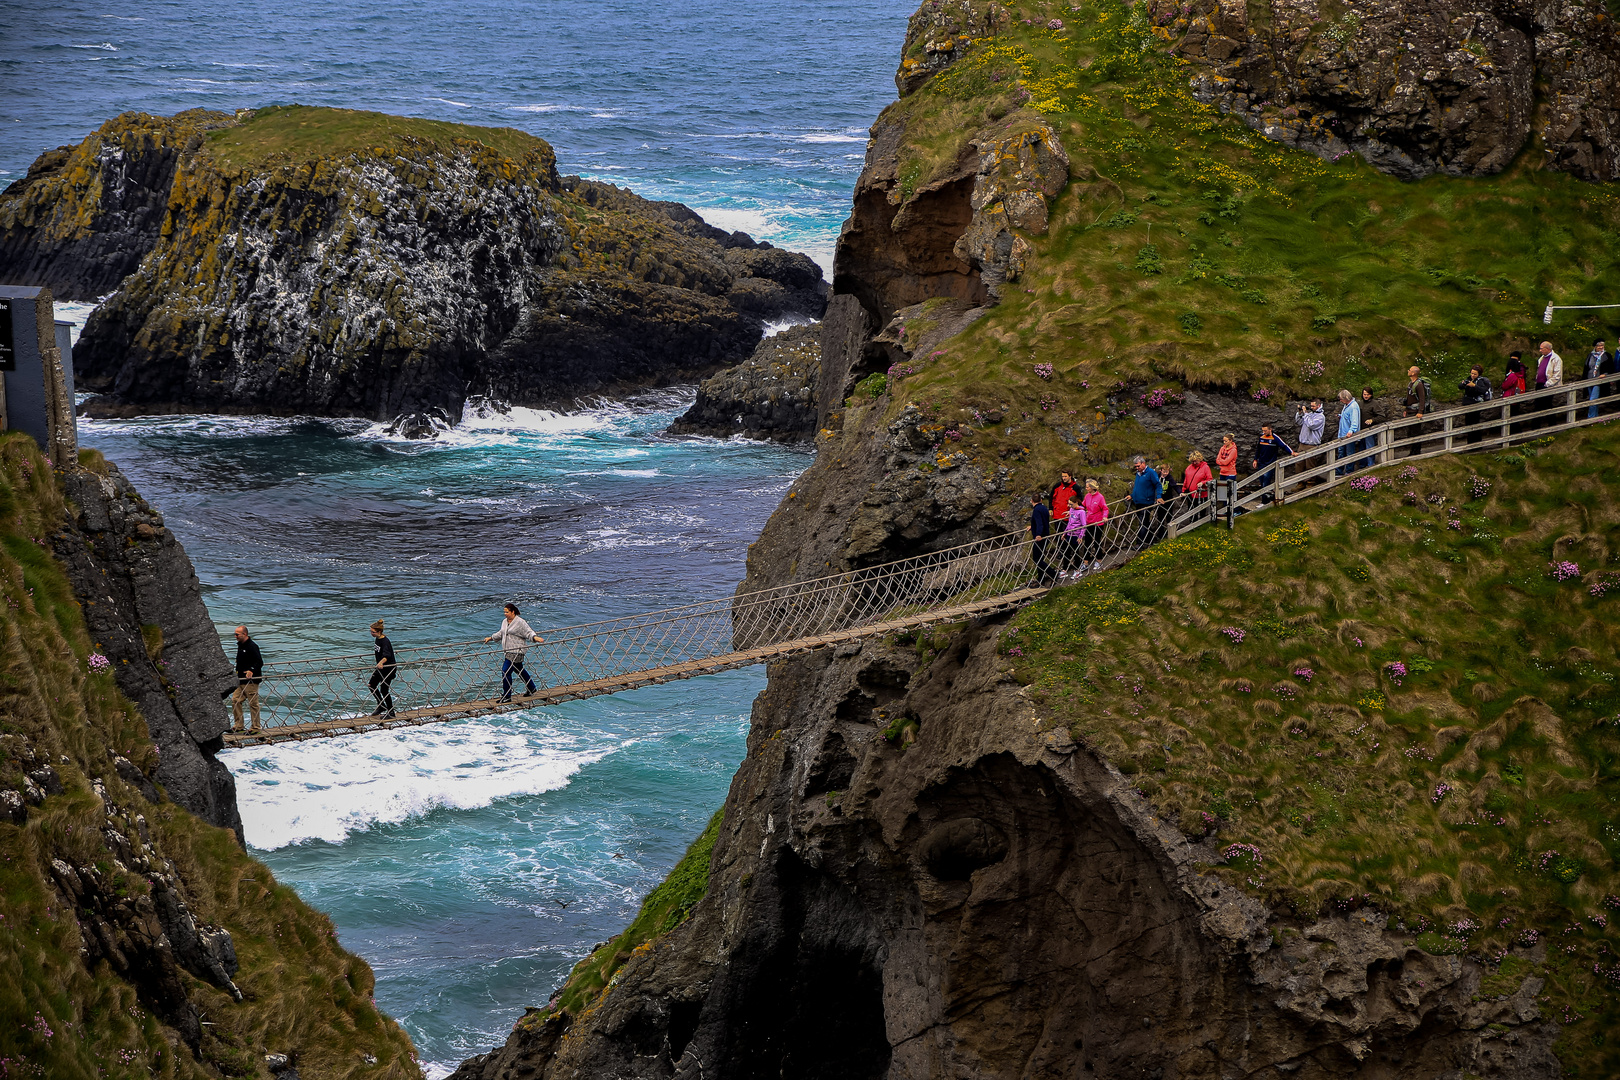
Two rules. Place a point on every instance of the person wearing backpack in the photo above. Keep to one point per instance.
(1419, 400)
(1475, 389)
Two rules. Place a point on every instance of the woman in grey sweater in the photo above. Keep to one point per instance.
(515, 636)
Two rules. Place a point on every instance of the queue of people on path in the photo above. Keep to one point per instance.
(514, 635)
(1064, 522)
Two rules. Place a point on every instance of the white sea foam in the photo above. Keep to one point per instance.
(828, 137)
(447, 101)
(328, 789)
(547, 107)
(105, 46)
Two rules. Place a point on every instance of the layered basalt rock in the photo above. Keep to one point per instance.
(1414, 89)
(353, 278)
(772, 395)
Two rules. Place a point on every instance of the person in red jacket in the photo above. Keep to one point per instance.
(1195, 479)
(1065, 492)
(1226, 461)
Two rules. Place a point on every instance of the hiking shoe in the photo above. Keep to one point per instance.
(378, 711)
(1096, 566)
(503, 699)
(389, 715)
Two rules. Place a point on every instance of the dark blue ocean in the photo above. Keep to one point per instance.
(472, 864)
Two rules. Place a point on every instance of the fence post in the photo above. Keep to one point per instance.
(1447, 429)
(1569, 416)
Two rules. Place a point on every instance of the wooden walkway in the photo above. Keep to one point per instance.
(633, 680)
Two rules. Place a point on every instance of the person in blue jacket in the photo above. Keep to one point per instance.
(1146, 493)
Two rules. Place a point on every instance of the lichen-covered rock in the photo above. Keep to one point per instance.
(392, 267)
(1415, 89)
(771, 395)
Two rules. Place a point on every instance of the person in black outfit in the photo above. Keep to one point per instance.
(384, 673)
(249, 673)
(1476, 388)
(1040, 524)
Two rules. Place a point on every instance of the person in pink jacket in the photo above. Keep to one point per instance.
(1096, 508)
(1196, 476)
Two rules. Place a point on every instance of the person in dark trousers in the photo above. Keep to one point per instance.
(1267, 451)
(249, 673)
(1475, 389)
(1416, 404)
(1600, 361)
(383, 674)
(1168, 490)
(1146, 493)
(1369, 418)
(1040, 525)
(515, 636)
(1514, 383)
(1349, 424)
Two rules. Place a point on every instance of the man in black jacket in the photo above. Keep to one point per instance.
(249, 673)
(1040, 524)
(1476, 389)
(1369, 417)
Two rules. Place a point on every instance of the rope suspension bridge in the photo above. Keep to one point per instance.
(327, 697)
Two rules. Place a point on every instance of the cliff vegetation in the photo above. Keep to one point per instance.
(1403, 697)
(1053, 225)
(136, 939)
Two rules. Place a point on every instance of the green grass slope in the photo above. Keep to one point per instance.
(1190, 251)
(1407, 697)
(303, 993)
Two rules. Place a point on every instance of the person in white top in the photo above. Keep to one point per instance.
(515, 635)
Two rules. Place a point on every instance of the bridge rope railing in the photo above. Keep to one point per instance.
(330, 695)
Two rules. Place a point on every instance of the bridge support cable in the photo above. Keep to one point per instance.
(317, 698)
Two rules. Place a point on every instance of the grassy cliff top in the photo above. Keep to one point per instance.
(281, 133)
(1406, 697)
(1189, 251)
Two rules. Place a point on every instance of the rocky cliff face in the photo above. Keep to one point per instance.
(772, 395)
(143, 607)
(326, 262)
(1450, 88)
(137, 935)
(916, 877)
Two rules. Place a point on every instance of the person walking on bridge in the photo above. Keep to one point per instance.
(515, 636)
(1349, 424)
(1040, 524)
(1096, 507)
(249, 673)
(1549, 373)
(1146, 493)
(1267, 450)
(383, 674)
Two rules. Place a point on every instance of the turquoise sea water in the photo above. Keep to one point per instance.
(472, 864)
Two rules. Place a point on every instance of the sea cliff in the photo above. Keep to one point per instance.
(138, 936)
(1199, 816)
(330, 262)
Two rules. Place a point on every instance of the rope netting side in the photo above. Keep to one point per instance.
(457, 674)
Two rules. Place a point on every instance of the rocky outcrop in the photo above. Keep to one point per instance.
(84, 216)
(771, 395)
(991, 899)
(377, 273)
(1414, 89)
(143, 607)
(955, 228)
